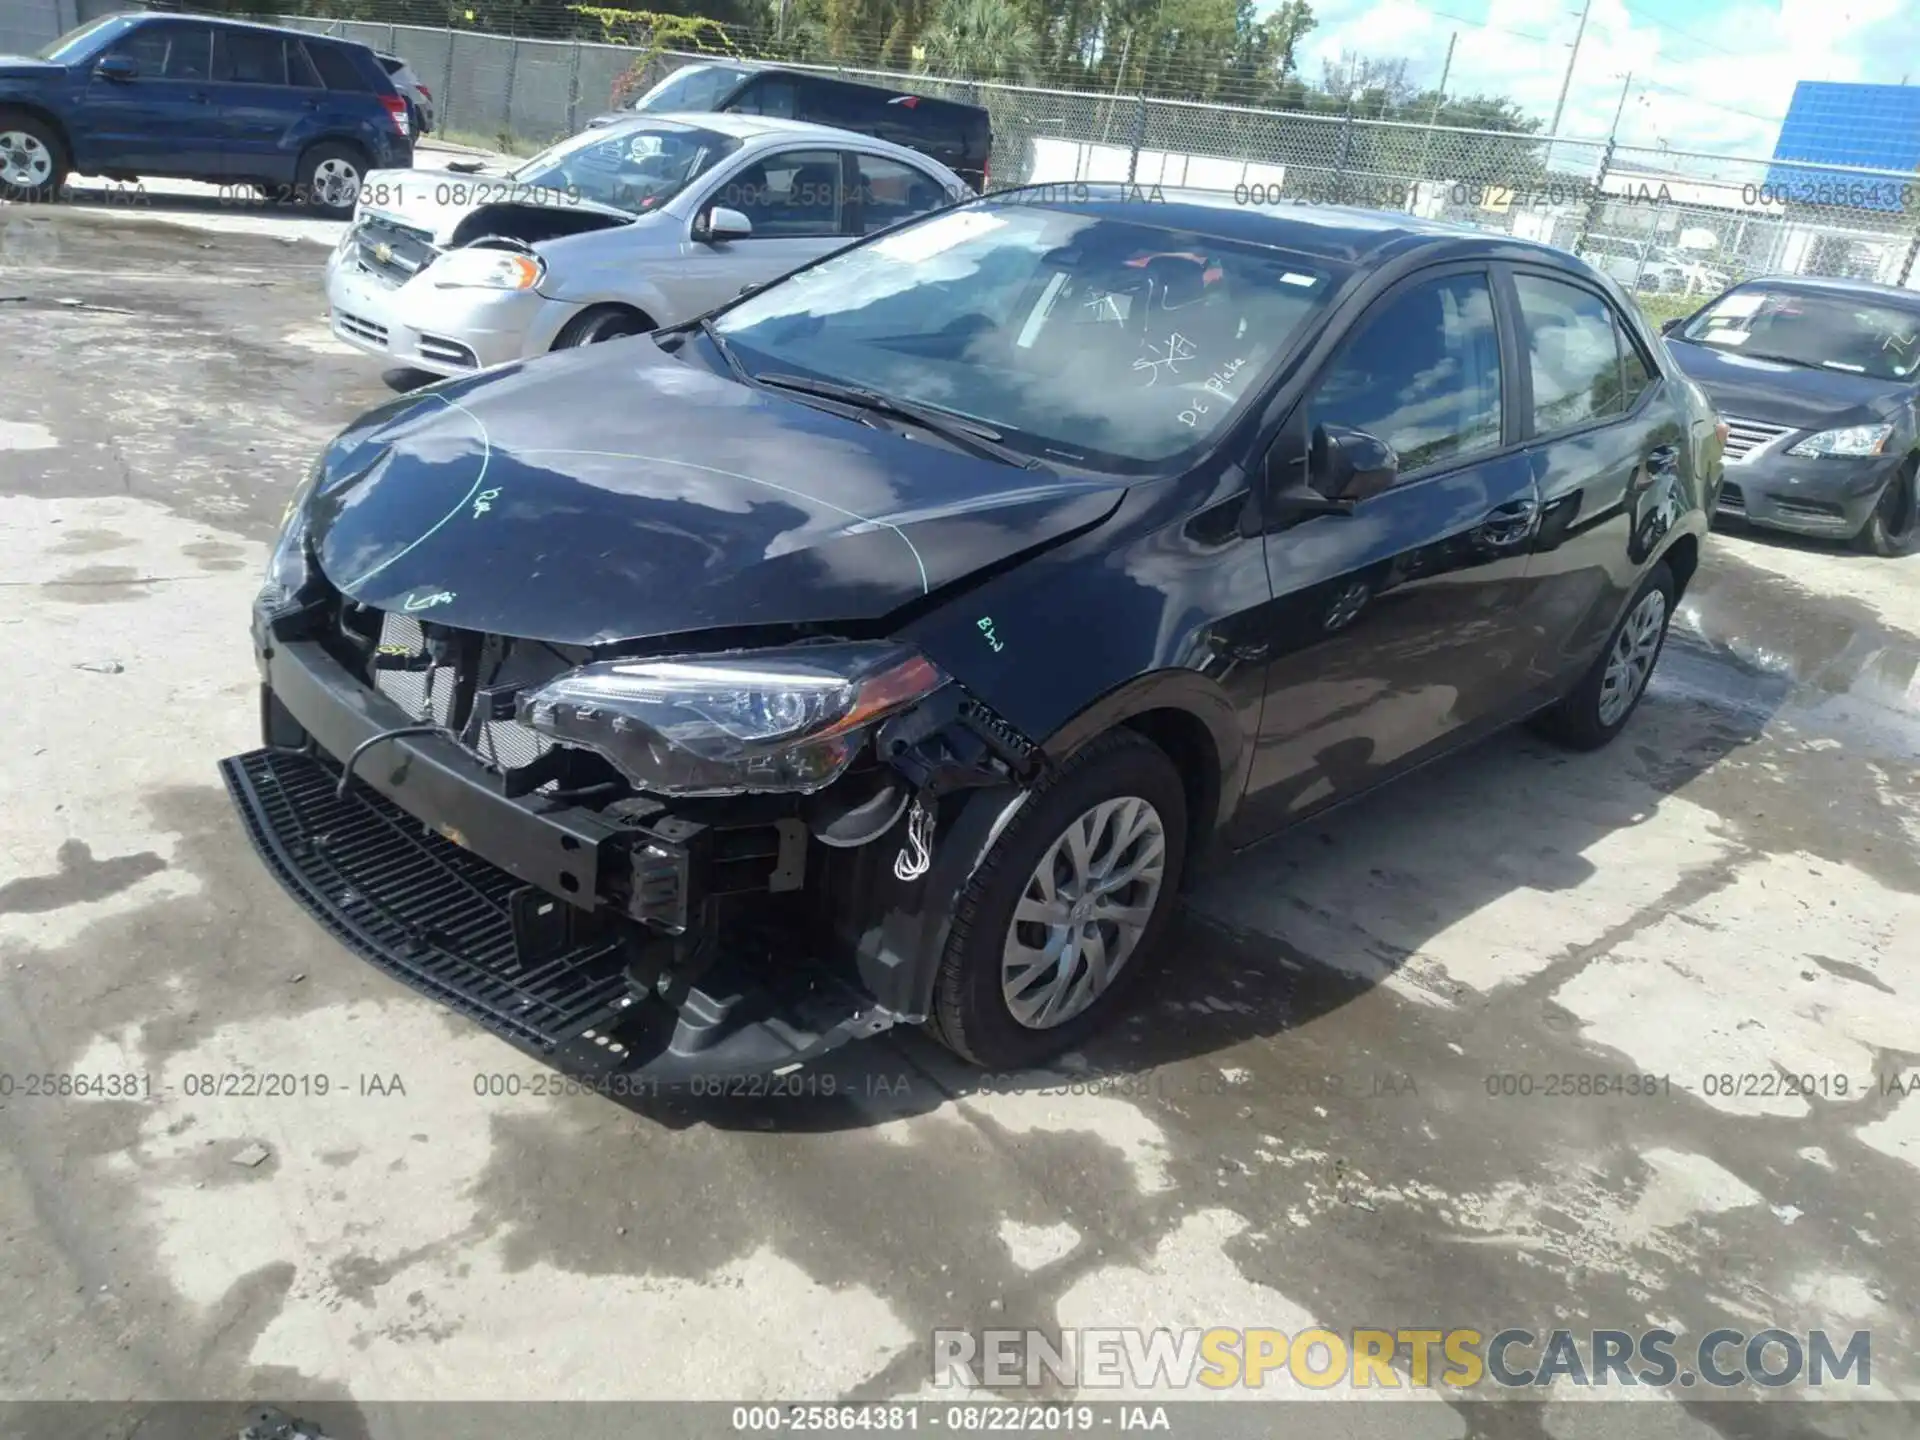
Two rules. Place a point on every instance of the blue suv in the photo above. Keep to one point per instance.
(300, 117)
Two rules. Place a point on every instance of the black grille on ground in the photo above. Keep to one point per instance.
(416, 904)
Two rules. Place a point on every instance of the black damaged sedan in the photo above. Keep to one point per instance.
(1818, 381)
(889, 646)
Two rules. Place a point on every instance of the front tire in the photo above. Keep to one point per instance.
(603, 322)
(1067, 911)
(33, 158)
(1889, 531)
(330, 177)
(1598, 708)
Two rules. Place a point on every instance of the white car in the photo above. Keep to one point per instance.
(617, 231)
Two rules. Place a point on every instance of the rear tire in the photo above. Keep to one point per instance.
(1889, 531)
(602, 322)
(33, 158)
(330, 177)
(1598, 708)
(1014, 989)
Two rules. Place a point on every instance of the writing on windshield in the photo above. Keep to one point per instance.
(1103, 341)
(1829, 332)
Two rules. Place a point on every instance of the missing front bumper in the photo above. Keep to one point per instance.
(579, 991)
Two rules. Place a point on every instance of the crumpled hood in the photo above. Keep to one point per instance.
(438, 200)
(1753, 389)
(613, 492)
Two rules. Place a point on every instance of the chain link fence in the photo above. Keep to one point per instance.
(1672, 226)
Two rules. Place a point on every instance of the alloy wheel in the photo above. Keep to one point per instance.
(1083, 911)
(25, 161)
(1630, 662)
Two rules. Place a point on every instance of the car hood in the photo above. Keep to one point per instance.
(1751, 389)
(614, 493)
(436, 201)
(26, 67)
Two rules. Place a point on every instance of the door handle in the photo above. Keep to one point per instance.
(199, 97)
(1508, 525)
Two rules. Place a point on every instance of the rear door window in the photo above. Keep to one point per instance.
(888, 191)
(1573, 354)
(770, 95)
(300, 69)
(249, 57)
(336, 66)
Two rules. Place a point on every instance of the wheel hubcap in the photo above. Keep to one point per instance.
(1630, 661)
(337, 183)
(1083, 911)
(24, 161)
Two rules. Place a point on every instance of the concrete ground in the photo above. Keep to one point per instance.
(1309, 1122)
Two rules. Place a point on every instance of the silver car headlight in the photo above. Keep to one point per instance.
(484, 268)
(1849, 440)
(783, 721)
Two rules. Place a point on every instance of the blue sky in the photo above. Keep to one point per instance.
(1710, 75)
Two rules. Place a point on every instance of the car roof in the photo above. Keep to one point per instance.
(774, 67)
(223, 22)
(1838, 285)
(760, 131)
(1338, 233)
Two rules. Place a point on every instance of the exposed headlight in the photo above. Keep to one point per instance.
(1852, 440)
(290, 565)
(486, 269)
(788, 720)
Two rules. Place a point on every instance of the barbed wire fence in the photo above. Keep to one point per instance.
(1671, 225)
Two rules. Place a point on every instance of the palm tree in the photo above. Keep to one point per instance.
(979, 40)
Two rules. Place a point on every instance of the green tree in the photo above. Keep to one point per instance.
(980, 40)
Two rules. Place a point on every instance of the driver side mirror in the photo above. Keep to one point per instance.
(118, 68)
(1350, 465)
(1343, 466)
(718, 223)
(1667, 327)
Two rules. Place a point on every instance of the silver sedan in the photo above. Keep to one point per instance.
(619, 230)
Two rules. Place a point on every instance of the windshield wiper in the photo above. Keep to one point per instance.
(705, 327)
(967, 434)
(1783, 359)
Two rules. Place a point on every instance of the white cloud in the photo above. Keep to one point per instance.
(1712, 77)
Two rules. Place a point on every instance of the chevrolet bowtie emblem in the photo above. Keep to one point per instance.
(383, 252)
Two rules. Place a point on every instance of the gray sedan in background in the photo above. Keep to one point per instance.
(617, 231)
(418, 97)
